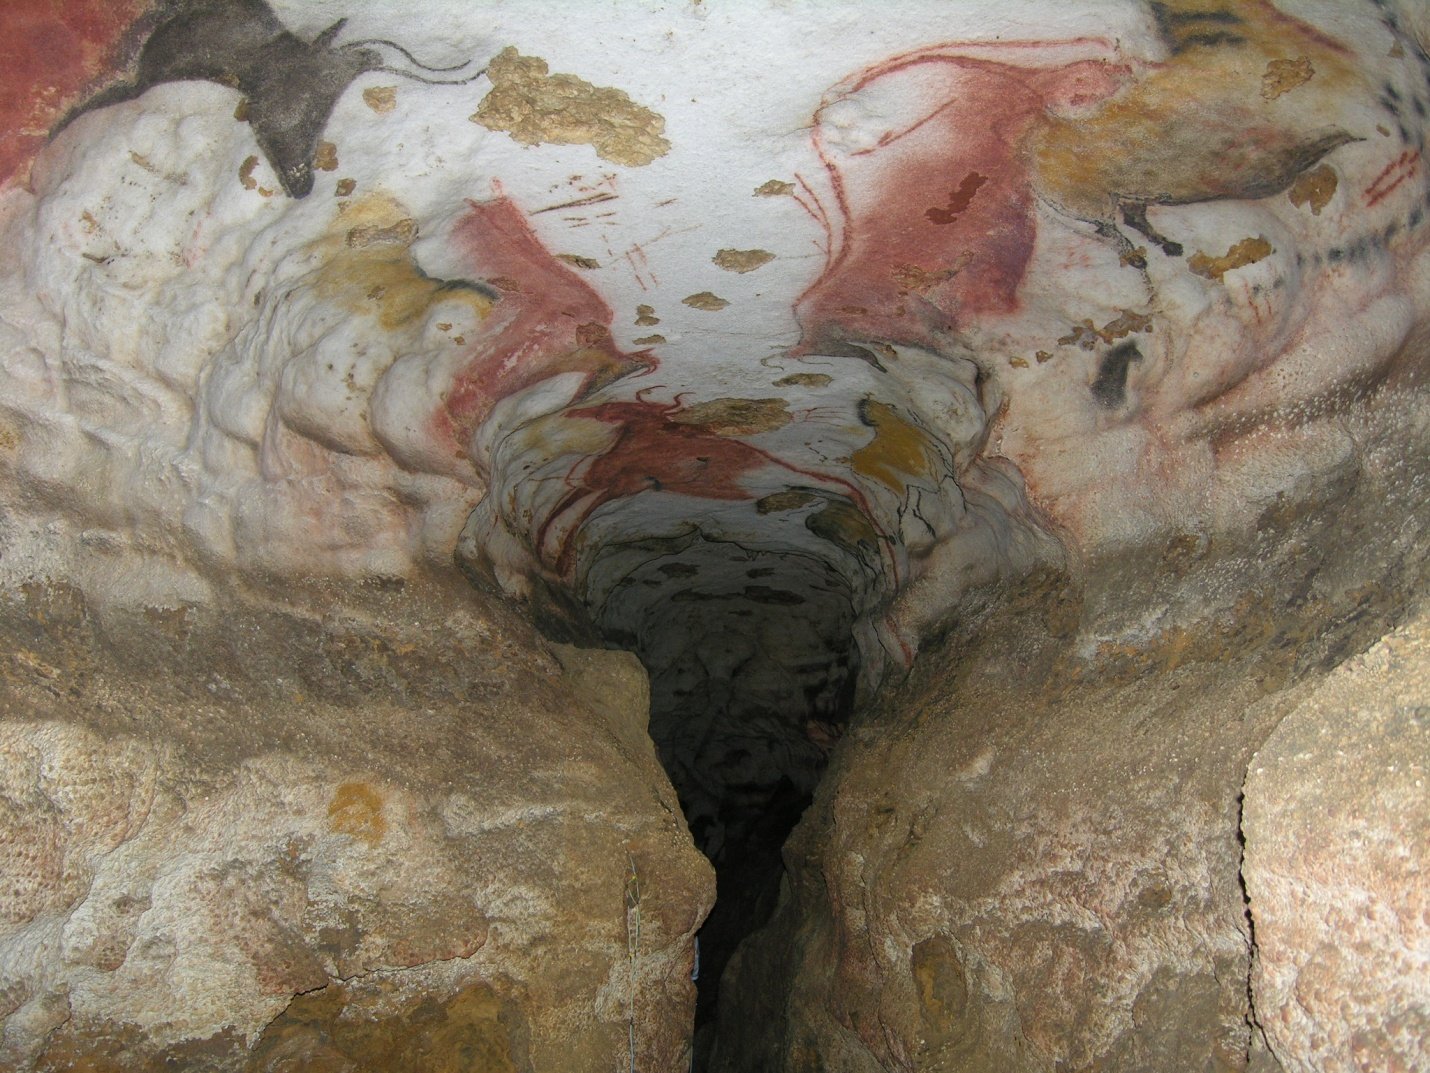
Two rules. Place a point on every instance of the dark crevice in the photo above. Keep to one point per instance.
(753, 667)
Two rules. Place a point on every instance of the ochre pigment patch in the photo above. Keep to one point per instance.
(805, 380)
(1087, 335)
(356, 809)
(645, 316)
(371, 270)
(737, 417)
(899, 450)
(742, 260)
(1314, 189)
(577, 261)
(1246, 252)
(536, 108)
(705, 300)
(326, 159)
(774, 188)
(380, 98)
(1282, 76)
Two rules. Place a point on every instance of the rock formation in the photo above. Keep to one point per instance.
(464, 468)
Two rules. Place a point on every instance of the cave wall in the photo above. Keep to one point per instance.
(370, 371)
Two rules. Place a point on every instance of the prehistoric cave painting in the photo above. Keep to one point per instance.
(933, 222)
(48, 55)
(937, 158)
(547, 323)
(1249, 135)
(290, 85)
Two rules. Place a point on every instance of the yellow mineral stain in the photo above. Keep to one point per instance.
(1087, 335)
(370, 270)
(1246, 252)
(326, 158)
(898, 452)
(380, 98)
(705, 300)
(736, 417)
(742, 260)
(356, 810)
(1315, 189)
(577, 261)
(774, 188)
(245, 173)
(650, 340)
(1282, 76)
(536, 107)
(805, 380)
(779, 502)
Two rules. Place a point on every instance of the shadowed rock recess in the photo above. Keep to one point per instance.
(729, 536)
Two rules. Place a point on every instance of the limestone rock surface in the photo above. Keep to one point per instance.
(1337, 825)
(339, 838)
(1029, 859)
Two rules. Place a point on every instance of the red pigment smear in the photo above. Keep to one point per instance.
(904, 273)
(548, 321)
(652, 452)
(51, 53)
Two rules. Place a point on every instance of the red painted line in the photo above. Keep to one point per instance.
(1388, 181)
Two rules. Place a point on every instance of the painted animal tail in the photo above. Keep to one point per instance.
(374, 43)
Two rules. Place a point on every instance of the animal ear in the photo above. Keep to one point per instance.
(324, 39)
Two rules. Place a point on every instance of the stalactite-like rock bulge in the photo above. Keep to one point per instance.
(760, 340)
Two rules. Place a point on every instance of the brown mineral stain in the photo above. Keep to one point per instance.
(958, 200)
(899, 450)
(705, 300)
(241, 112)
(346, 187)
(536, 108)
(805, 380)
(736, 417)
(645, 316)
(87, 221)
(774, 188)
(846, 526)
(1246, 252)
(380, 98)
(370, 269)
(783, 501)
(356, 810)
(577, 261)
(1314, 189)
(650, 340)
(742, 260)
(326, 158)
(1018, 363)
(245, 173)
(1282, 76)
(1087, 335)
(1043, 357)
(942, 988)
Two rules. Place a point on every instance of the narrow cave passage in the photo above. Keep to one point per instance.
(753, 667)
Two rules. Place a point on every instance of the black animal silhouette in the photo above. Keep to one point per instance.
(291, 85)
